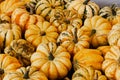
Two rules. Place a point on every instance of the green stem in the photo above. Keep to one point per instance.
(113, 9)
(86, 2)
(26, 75)
(93, 32)
(51, 57)
(75, 38)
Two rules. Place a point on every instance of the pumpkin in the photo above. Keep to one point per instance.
(111, 13)
(8, 6)
(97, 28)
(26, 73)
(9, 32)
(111, 64)
(85, 8)
(7, 64)
(21, 49)
(24, 18)
(113, 36)
(53, 60)
(41, 32)
(48, 8)
(88, 73)
(104, 49)
(73, 40)
(88, 57)
(66, 19)
(4, 19)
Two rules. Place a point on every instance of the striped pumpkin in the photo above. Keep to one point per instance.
(86, 8)
(41, 32)
(66, 20)
(8, 33)
(73, 40)
(8, 6)
(111, 13)
(47, 8)
(24, 18)
(97, 28)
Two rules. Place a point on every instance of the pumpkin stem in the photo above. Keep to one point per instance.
(42, 33)
(86, 2)
(51, 57)
(75, 36)
(3, 21)
(93, 32)
(113, 9)
(26, 75)
(1, 72)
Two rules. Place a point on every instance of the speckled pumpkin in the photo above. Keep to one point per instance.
(21, 49)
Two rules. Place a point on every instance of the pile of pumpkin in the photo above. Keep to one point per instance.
(59, 40)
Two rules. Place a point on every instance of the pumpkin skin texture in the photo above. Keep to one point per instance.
(88, 73)
(97, 28)
(8, 6)
(21, 49)
(23, 18)
(85, 8)
(66, 19)
(26, 73)
(111, 13)
(8, 33)
(7, 64)
(113, 36)
(111, 64)
(88, 57)
(104, 49)
(41, 32)
(73, 40)
(48, 8)
(53, 60)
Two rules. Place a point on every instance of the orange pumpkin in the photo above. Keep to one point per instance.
(88, 57)
(53, 60)
(73, 40)
(111, 64)
(8, 6)
(24, 18)
(88, 73)
(114, 35)
(7, 64)
(41, 32)
(26, 73)
(97, 28)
